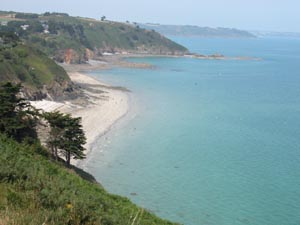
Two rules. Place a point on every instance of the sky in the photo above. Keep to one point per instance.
(260, 15)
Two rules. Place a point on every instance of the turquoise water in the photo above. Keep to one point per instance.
(209, 142)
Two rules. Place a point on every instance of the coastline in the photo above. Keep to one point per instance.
(119, 60)
(103, 105)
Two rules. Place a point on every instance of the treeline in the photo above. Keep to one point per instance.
(19, 120)
(26, 16)
(55, 14)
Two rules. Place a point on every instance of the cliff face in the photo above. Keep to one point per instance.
(55, 91)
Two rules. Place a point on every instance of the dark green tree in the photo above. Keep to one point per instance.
(66, 136)
(57, 125)
(18, 119)
(73, 139)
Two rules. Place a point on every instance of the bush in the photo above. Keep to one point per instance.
(7, 54)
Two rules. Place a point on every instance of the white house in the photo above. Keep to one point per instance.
(24, 27)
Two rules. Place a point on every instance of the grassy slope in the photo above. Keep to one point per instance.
(101, 34)
(21, 63)
(34, 190)
(26, 64)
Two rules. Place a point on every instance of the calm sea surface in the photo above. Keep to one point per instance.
(209, 142)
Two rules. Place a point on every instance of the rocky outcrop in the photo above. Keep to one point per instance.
(56, 91)
(69, 56)
(89, 54)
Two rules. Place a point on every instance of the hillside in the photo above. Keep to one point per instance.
(34, 190)
(75, 39)
(40, 75)
(196, 31)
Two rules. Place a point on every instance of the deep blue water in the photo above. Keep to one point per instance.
(209, 141)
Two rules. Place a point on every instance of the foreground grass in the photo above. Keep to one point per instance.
(35, 190)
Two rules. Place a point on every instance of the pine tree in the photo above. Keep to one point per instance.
(74, 139)
(18, 118)
(57, 125)
(66, 136)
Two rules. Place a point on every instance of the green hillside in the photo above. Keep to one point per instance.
(76, 39)
(34, 190)
(40, 75)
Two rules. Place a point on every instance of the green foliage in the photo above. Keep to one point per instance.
(34, 191)
(66, 136)
(17, 117)
(55, 14)
(26, 16)
(73, 139)
(26, 64)
(9, 39)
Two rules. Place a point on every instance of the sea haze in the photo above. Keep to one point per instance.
(209, 141)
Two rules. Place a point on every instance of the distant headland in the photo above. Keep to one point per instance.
(196, 31)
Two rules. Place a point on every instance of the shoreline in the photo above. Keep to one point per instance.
(104, 105)
(119, 60)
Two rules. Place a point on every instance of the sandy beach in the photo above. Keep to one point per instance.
(102, 107)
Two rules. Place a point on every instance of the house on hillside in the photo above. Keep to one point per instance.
(24, 27)
(46, 28)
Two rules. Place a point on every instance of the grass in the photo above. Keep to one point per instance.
(30, 66)
(35, 190)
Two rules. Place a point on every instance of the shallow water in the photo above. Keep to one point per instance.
(209, 142)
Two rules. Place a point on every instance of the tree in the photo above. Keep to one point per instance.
(103, 18)
(18, 118)
(74, 139)
(55, 119)
(66, 136)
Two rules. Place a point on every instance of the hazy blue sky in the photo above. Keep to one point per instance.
(276, 15)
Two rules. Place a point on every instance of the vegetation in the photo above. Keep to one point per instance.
(57, 33)
(20, 63)
(34, 191)
(17, 118)
(26, 16)
(66, 136)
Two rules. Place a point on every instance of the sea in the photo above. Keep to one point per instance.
(209, 142)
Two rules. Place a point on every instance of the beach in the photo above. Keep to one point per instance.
(102, 106)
